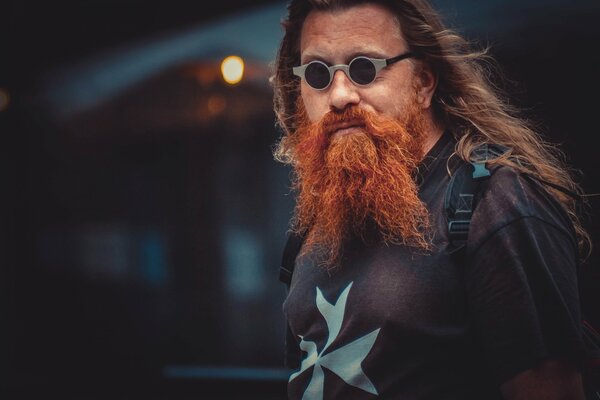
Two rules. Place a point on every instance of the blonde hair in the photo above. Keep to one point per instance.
(466, 100)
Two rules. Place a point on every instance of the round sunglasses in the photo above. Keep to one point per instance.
(361, 70)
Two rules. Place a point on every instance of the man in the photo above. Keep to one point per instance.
(380, 104)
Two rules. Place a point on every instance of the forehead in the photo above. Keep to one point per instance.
(361, 28)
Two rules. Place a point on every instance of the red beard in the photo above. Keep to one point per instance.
(350, 183)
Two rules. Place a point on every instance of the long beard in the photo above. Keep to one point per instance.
(358, 184)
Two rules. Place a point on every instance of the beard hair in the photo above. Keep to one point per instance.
(359, 184)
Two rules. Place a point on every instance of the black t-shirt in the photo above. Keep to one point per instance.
(395, 323)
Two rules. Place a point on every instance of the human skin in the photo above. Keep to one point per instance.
(336, 37)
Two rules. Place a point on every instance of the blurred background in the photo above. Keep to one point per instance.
(142, 215)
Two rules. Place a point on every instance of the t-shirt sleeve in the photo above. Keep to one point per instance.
(523, 296)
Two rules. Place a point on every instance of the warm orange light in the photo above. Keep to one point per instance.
(4, 99)
(232, 69)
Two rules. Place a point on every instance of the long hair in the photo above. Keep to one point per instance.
(466, 100)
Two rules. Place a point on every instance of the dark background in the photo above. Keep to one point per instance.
(140, 239)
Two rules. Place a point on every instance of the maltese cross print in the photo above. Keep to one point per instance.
(345, 361)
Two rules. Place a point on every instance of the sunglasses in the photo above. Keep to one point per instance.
(361, 70)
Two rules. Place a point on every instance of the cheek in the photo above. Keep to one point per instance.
(314, 105)
(394, 94)
(392, 102)
(384, 102)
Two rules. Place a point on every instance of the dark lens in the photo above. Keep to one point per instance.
(317, 75)
(362, 71)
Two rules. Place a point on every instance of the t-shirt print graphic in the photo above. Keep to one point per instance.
(345, 361)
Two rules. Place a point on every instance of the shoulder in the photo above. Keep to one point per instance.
(510, 198)
(513, 194)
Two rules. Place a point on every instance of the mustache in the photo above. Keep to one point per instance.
(350, 116)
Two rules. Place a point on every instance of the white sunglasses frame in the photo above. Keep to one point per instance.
(379, 63)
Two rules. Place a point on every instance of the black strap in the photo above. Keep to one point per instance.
(459, 201)
(288, 261)
(462, 190)
(294, 242)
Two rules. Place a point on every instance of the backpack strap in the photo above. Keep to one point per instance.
(292, 248)
(459, 201)
(293, 244)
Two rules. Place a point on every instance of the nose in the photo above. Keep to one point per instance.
(342, 92)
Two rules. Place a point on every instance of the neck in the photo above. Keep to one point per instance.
(433, 131)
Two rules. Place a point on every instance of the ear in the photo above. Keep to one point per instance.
(427, 83)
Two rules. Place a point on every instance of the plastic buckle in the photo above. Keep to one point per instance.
(458, 229)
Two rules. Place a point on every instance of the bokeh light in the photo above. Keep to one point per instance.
(232, 69)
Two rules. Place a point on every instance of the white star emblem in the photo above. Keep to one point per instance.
(345, 361)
